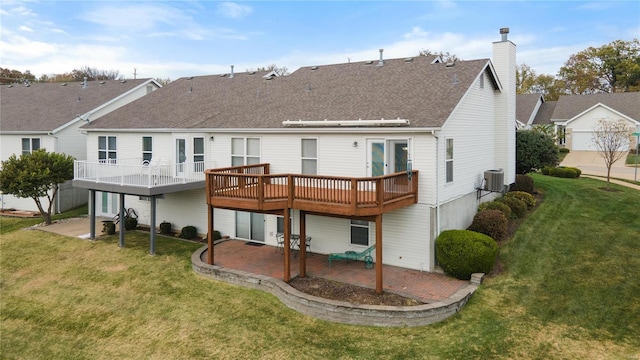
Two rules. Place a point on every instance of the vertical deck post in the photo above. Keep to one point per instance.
(121, 239)
(287, 245)
(152, 227)
(303, 244)
(210, 234)
(92, 216)
(379, 254)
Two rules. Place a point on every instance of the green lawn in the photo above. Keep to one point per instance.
(570, 290)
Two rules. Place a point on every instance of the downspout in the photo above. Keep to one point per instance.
(55, 149)
(433, 132)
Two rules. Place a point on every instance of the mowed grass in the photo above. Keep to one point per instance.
(570, 290)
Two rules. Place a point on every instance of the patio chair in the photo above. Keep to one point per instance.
(354, 255)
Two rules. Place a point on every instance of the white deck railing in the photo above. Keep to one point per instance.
(135, 172)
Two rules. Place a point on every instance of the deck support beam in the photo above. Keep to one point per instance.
(379, 254)
(152, 227)
(210, 235)
(92, 216)
(303, 244)
(287, 245)
(122, 206)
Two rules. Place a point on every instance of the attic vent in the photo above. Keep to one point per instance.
(450, 64)
(494, 180)
(64, 84)
(408, 59)
(369, 62)
(314, 68)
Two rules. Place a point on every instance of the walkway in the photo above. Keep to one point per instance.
(592, 163)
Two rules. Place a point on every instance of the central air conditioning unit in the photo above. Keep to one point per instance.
(494, 180)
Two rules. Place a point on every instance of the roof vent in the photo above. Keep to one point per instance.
(504, 32)
(381, 62)
(84, 83)
(27, 85)
(410, 59)
(223, 75)
(102, 82)
(231, 75)
(450, 64)
(123, 81)
(190, 78)
(251, 73)
(10, 85)
(314, 68)
(369, 62)
(63, 84)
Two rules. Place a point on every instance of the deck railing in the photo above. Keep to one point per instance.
(255, 183)
(136, 172)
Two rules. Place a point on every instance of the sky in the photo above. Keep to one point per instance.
(172, 39)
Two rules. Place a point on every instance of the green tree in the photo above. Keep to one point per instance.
(611, 138)
(614, 67)
(528, 82)
(534, 150)
(36, 175)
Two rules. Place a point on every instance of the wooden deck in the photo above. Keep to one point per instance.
(252, 188)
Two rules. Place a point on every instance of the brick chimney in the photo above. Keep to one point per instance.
(504, 61)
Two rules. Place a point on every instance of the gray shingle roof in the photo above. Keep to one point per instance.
(571, 105)
(544, 113)
(525, 105)
(417, 90)
(47, 106)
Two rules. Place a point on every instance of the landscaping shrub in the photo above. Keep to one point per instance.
(527, 198)
(564, 150)
(165, 227)
(563, 172)
(496, 205)
(547, 170)
(188, 232)
(518, 207)
(130, 223)
(492, 223)
(216, 235)
(523, 183)
(461, 253)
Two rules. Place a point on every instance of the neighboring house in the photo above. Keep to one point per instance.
(348, 125)
(576, 116)
(49, 116)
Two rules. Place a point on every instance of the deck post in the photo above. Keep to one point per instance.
(379, 254)
(287, 245)
(121, 241)
(303, 244)
(210, 235)
(152, 227)
(92, 216)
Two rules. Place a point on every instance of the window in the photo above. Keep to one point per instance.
(449, 160)
(107, 148)
(360, 232)
(309, 156)
(147, 149)
(245, 151)
(30, 144)
(198, 154)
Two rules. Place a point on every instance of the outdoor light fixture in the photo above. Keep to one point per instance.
(355, 144)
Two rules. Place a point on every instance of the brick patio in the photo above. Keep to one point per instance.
(269, 261)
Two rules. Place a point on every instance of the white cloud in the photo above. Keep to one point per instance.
(234, 10)
(25, 28)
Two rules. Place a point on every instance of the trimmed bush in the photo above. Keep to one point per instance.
(496, 205)
(130, 223)
(165, 227)
(463, 252)
(564, 172)
(518, 207)
(527, 198)
(216, 235)
(523, 183)
(547, 170)
(492, 223)
(188, 232)
(564, 150)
